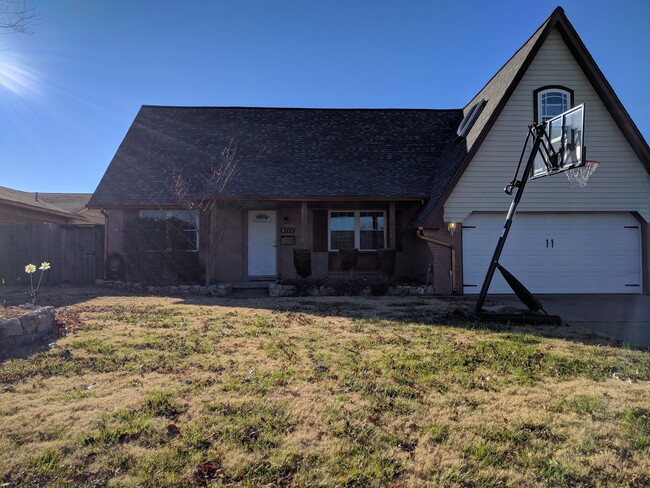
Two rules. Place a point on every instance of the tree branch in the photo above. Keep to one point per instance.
(17, 17)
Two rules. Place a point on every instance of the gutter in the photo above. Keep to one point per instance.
(452, 271)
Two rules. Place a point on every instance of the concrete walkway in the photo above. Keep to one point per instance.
(626, 317)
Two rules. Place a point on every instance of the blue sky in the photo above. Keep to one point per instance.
(69, 92)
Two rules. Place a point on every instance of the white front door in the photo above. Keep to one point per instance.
(262, 242)
(556, 252)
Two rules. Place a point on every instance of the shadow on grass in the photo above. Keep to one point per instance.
(433, 311)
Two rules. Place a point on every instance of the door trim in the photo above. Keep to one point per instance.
(274, 213)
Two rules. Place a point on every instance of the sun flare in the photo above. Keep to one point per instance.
(15, 77)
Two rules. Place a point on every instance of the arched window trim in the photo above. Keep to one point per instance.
(537, 98)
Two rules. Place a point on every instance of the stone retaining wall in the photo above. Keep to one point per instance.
(25, 329)
(278, 290)
(275, 289)
(220, 290)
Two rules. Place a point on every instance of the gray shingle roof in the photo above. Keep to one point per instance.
(31, 200)
(69, 205)
(281, 153)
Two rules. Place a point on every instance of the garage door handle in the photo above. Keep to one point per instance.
(546, 242)
(552, 243)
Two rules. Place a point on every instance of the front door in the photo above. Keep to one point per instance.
(262, 242)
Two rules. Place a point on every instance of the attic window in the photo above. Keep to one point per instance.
(469, 119)
(551, 101)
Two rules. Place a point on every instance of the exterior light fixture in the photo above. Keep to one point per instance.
(286, 220)
(451, 227)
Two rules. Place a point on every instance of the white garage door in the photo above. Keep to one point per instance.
(556, 252)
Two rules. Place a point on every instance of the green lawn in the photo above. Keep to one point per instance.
(150, 391)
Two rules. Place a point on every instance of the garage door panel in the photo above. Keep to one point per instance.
(556, 253)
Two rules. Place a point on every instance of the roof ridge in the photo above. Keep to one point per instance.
(333, 109)
(557, 11)
(496, 91)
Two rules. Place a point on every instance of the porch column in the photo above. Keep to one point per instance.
(303, 224)
(392, 241)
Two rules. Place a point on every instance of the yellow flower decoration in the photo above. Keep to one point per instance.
(30, 268)
(44, 266)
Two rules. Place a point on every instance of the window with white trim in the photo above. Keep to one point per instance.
(552, 102)
(181, 228)
(361, 229)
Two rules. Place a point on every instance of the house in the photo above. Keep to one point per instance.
(19, 207)
(428, 183)
(53, 227)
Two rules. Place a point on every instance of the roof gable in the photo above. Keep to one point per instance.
(497, 92)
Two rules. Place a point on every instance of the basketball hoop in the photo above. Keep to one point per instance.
(578, 177)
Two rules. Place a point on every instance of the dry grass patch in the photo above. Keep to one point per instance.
(153, 391)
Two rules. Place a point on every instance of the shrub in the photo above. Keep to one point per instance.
(165, 267)
(156, 253)
(386, 262)
(352, 287)
(379, 289)
(303, 286)
(302, 262)
(349, 258)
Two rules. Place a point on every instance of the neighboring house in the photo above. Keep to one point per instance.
(53, 227)
(19, 207)
(330, 178)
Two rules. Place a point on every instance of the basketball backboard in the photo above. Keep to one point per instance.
(562, 145)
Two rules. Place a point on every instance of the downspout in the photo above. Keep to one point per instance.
(420, 234)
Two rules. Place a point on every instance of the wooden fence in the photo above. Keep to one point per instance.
(76, 253)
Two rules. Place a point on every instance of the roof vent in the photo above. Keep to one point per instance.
(469, 119)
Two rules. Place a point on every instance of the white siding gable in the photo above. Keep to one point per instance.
(621, 183)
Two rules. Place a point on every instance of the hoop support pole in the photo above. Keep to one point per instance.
(538, 132)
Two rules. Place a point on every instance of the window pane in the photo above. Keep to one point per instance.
(372, 220)
(553, 103)
(191, 240)
(342, 221)
(190, 217)
(171, 230)
(555, 98)
(372, 239)
(152, 214)
(341, 230)
(371, 230)
(342, 239)
(182, 235)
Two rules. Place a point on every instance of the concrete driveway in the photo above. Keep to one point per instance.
(626, 317)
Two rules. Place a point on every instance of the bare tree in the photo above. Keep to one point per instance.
(16, 16)
(216, 204)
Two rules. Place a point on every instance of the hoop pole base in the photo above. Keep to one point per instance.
(517, 318)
